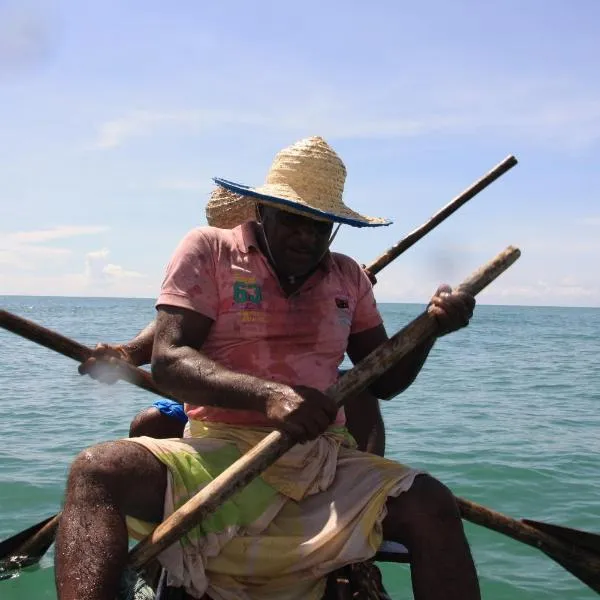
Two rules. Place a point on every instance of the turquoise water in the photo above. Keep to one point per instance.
(506, 412)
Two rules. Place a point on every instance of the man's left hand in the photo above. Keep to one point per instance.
(453, 310)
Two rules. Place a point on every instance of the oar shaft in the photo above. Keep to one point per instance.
(276, 443)
(44, 337)
(72, 349)
(564, 553)
(413, 237)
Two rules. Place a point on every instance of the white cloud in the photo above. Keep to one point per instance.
(533, 111)
(555, 292)
(590, 221)
(98, 277)
(119, 272)
(146, 122)
(54, 233)
(547, 273)
(25, 249)
(99, 272)
(510, 288)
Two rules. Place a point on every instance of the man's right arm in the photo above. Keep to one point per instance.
(180, 367)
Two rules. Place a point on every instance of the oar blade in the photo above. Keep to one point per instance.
(587, 543)
(581, 570)
(582, 539)
(9, 547)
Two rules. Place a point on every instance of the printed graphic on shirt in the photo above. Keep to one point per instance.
(343, 310)
(246, 290)
(341, 302)
(247, 296)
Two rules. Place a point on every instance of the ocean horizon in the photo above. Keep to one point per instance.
(382, 302)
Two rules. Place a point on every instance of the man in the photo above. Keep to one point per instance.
(166, 418)
(252, 325)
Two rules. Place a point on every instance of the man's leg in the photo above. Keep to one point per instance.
(106, 482)
(427, 521)
(153, 423)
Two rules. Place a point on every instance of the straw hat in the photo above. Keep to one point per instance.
(306, 178)
(227, 210)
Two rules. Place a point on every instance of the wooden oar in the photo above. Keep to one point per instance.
(27, 547)
(590, 541)
(577, 551)
(72, 349)
(414, 236)
(274, 445)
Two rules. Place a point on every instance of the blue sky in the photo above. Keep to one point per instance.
(114, 117)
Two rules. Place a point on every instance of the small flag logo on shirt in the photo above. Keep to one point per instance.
(341, 302)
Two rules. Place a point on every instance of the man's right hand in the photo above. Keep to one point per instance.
(301, 412)
(102, 365)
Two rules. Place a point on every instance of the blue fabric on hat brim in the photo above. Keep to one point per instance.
(244, 190)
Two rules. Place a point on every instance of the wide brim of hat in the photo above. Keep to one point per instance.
(268, 194)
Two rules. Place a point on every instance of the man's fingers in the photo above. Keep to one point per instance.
(104, 369)
(294, 430)
(85, 367)
(305, 425)
(452, 311)
(459, 305)
(323, 419)
(311, 430)
(331, 411)
(444, 288)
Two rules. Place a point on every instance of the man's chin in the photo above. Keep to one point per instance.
(299, 268)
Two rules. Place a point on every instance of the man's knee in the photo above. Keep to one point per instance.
(152, 423)
(143, 422)
(433, 498)
(98, 464)
(121, 473)
(428, 504)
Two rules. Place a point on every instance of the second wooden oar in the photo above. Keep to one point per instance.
(576, 551)
(72, 349)
(274, 445)
(414, 236)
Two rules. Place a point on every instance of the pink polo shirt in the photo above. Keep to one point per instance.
(297, 340)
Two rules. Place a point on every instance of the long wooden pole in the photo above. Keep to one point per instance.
(73, 349)
(412, 238)
(274, 445)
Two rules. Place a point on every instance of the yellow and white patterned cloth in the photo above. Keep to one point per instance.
(318, 508)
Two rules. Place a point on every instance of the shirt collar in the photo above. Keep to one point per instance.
(245, 237)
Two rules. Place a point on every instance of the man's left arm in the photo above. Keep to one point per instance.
(452, 310)
(365, 423)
